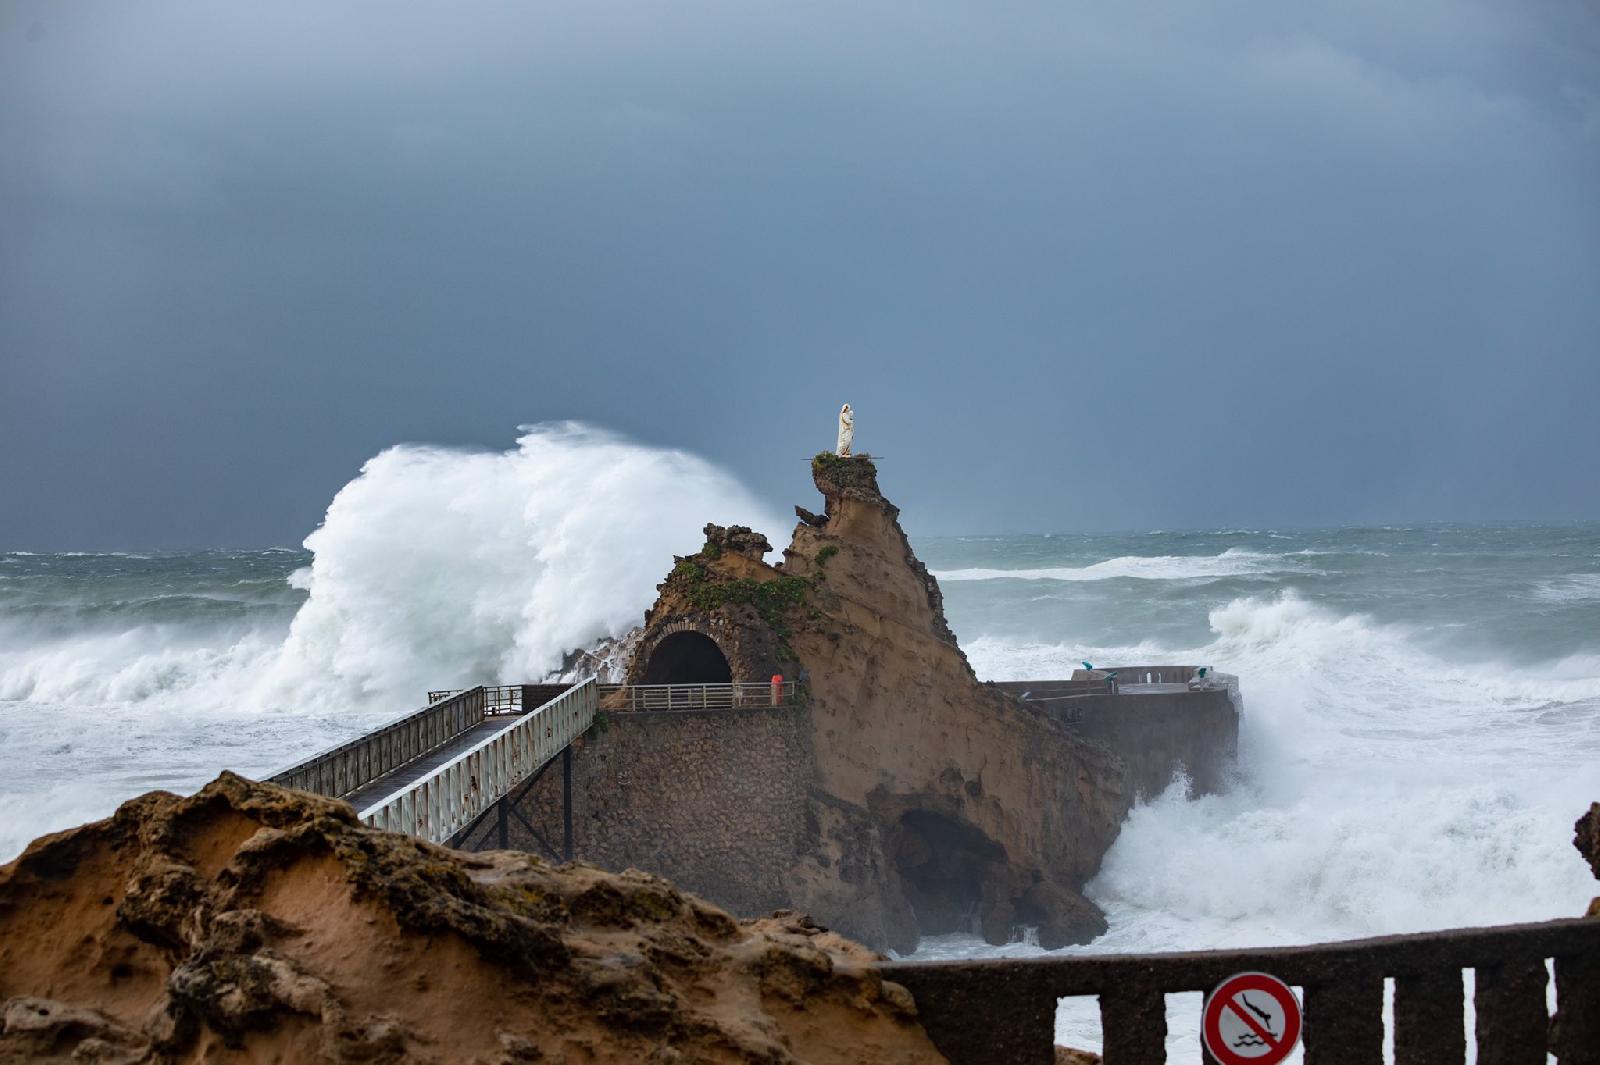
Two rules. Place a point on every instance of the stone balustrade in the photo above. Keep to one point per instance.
(980, 1012)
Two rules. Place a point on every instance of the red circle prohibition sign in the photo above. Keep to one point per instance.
(1251, 1019)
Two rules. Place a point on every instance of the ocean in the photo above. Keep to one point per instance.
(1422, 702)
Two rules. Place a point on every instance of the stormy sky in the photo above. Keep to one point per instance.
(1077, 266)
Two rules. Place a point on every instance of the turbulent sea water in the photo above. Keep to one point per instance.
(1422, 703)
(1422, 724)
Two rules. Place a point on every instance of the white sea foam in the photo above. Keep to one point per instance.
(438, 567)
(1233, 562)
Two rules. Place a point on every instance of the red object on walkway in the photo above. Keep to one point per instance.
(777, 688)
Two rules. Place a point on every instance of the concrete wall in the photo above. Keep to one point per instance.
(714, 800)
(1157, 735)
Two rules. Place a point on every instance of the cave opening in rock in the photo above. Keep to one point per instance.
(943, 865)
(687, 658)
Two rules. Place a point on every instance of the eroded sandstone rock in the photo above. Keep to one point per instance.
(250, 922)
(938, 804)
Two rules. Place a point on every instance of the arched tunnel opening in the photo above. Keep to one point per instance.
(943, 865)
(687, 658)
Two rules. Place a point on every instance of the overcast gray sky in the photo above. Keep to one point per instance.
(1077, 266)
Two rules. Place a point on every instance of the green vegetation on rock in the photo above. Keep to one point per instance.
(772, 599)
(827, 462)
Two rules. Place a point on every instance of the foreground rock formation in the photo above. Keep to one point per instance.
(936, 803)
(253, 923)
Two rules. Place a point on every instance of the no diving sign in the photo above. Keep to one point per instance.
(1251, 1019)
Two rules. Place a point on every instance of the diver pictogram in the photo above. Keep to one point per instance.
(1251, 1019)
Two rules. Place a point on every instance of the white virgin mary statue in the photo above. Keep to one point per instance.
(847, 431)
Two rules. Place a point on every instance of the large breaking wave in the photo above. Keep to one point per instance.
(437, 567)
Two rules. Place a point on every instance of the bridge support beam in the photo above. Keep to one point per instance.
(507, 809)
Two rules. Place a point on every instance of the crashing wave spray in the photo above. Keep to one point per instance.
(438, 567)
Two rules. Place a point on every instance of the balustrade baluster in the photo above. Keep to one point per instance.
(1513, 1025)
(1344, 1021)
(1428, 1025)
(1575, 1035)
(1133, 1027)
(1008, 1018)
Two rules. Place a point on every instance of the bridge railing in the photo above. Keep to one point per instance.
(507, 698)
(1341, 987)
(1155, 674)
(340, 770)
(646, 697)
(1050, 691)
(452, 796)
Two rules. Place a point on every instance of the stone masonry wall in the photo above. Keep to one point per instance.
(714, 800)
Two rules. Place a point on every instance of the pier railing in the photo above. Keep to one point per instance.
(510, 698)
(1049, 691)
(340, 770)
(452, 796)
(1121, 680)
(507, 698)
(1341, 986)
(1155, 674)
(645, 697)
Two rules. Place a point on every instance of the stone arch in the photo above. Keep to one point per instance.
(686, 655)
(949, 870)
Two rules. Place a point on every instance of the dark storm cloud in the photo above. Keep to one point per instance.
(1131, 265)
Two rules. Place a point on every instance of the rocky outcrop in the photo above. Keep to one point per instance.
(940, 804)
(253, 923)
(1587, 839)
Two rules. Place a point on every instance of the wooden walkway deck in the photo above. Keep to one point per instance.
(398, 780)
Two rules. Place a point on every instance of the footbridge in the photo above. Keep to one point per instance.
(438, 772)
(441, 771)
